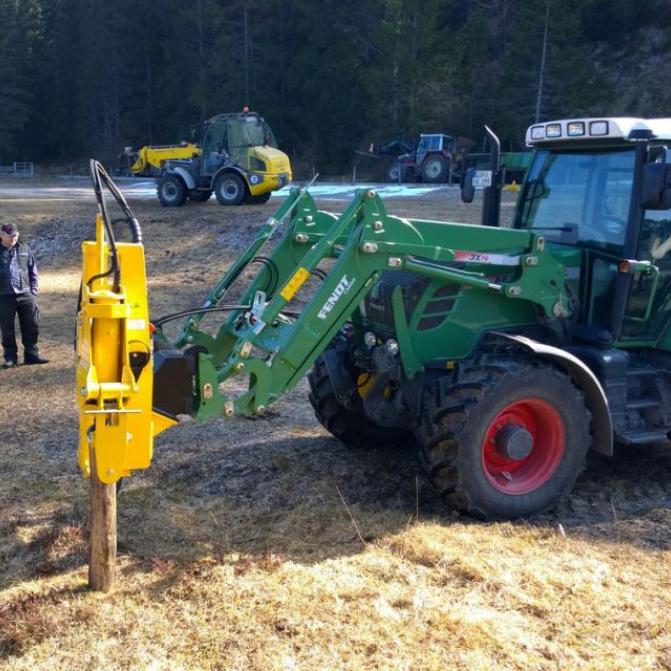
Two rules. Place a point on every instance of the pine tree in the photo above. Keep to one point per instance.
(16, 87)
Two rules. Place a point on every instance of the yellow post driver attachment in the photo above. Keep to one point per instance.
(114, 350)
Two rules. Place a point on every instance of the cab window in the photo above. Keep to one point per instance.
(215, 139)
(579, 198)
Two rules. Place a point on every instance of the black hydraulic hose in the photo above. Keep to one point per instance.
(195, 311)
(218, 308)
(272, 272)
(136, 231)
(98, 176)
(96, 169)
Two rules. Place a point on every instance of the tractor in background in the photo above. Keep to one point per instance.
(431, 162)
(235, 157)
(501, 354)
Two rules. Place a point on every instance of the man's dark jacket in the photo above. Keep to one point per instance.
(18, 270)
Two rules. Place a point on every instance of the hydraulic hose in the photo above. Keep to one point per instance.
(217, 308)
(98, 176)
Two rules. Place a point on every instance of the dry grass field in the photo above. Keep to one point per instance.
(268, 545)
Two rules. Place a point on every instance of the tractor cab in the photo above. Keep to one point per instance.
(431, 162)
(597, 190)
(239, 162)
(239, 138)
(433, 142)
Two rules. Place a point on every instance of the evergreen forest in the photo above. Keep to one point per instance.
(82, 78)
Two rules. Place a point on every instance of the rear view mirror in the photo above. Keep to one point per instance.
(467, 188)
(656, 186)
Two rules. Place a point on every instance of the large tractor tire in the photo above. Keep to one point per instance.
(506, 440)
(199, 196)
(171, 191)
(435, 169)
(229, 189)
(349, 425)
(257, 200)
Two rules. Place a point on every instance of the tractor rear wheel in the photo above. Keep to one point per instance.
(506, 440)
(349, 425)
(435, 169)
(229, 189)
(171, 191)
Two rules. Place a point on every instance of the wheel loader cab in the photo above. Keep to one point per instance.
(238, 162)
(583, 193)
(214, 147)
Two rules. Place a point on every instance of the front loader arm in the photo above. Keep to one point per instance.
(276, 351)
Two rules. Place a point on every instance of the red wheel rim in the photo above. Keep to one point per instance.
(522, 476)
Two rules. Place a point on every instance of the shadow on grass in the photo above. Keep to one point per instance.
(59, 544)
(25, 622)
(310, 499)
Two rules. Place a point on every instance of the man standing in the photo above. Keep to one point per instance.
(18, 295)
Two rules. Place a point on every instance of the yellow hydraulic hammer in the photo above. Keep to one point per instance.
(114, 350)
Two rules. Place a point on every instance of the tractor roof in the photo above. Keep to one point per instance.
(597, 130)
(232, 115)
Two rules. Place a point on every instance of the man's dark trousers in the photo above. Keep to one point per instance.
(25, 305)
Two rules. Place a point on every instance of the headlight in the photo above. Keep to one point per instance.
(598, 128)
(553, 130)
(391, 347)
(576, 128)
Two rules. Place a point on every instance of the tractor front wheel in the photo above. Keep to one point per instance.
(506, 440)
(171, 191)
(435, 169)
(229, 189)
(349, 425)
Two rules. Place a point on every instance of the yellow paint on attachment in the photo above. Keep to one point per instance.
(294, 284)
(160, 423)
(116, 418)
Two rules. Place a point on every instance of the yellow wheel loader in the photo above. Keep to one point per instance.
(235, 157)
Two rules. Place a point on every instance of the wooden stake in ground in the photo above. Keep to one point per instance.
(102, 537)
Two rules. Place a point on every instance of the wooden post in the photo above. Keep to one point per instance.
(102, 536)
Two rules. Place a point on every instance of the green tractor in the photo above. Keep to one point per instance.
(501, 354)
